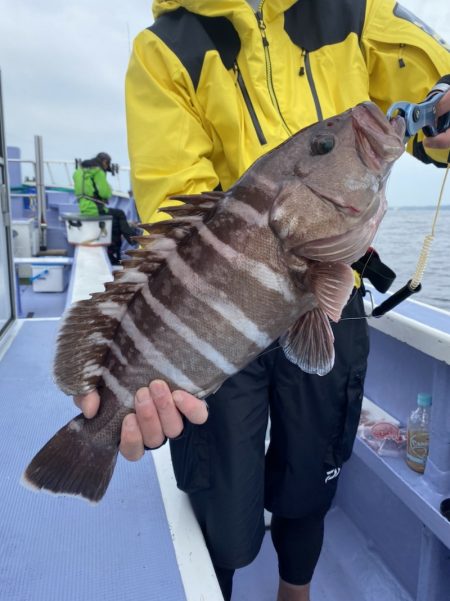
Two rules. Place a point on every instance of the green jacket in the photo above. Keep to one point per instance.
(91, 185)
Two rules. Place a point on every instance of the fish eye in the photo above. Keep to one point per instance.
(322, 144)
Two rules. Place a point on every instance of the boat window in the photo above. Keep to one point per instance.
(6, 280)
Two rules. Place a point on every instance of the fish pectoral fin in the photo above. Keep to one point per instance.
(332, 284)
(309, 343)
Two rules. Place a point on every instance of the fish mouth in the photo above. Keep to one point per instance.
(379, 142)
(337, 201)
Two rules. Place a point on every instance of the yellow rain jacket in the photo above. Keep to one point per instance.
(212, 85)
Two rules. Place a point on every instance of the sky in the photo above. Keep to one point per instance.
(63, 66)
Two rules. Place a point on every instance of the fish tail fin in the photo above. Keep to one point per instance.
(73, 463)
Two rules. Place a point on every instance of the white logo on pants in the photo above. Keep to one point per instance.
(331, 474)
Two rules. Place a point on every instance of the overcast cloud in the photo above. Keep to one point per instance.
(63, 67)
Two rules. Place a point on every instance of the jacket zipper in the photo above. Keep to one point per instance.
(265, 42)
(312, 85)
(249, 105)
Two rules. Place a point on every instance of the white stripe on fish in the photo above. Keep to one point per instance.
(100, 340)
(208, 294)
(92, 368)
(268, 278)
(121, 393)
(191, 338)
(247, 213)
(154, 357)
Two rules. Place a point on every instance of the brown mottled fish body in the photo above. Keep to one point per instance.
(214, 286)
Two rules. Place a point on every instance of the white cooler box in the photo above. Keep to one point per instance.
(25, 241)
(49, 278)
(91, 230)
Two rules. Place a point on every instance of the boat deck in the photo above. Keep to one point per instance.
(55, 548)
(64, 548)
(384, 537)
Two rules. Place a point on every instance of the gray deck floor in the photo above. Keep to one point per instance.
(64, 549)
(347, 570)
(41, 304)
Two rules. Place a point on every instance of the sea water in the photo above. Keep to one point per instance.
(399, 242)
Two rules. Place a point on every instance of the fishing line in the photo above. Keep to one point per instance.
(270, 350)
(413, 285)
(423, 258)
(372, 303)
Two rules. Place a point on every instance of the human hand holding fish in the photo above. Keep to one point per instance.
(158, 416)
(212, 288)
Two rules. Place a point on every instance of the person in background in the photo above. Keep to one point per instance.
(93, 192)
(212, 86)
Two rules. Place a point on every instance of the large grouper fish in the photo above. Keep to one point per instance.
(211, 288)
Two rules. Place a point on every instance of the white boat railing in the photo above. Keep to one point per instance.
(58, 173)
(42, 174)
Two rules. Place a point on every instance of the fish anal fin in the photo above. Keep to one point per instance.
(309, 343)
(331, 284)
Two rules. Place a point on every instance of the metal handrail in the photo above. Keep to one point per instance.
(41, 168)
(69, 167)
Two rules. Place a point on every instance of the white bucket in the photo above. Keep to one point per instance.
(89, 230)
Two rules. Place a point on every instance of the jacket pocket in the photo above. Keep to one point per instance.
(191, 459)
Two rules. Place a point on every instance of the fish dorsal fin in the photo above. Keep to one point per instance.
(86, 335)
(198, 199)
(331, 284)
(165, 235)
(89, 327)
(194, 204)
(309, 343)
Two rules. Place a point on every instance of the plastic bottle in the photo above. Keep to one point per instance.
(419, 434)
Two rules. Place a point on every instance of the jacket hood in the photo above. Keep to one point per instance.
(221, 8)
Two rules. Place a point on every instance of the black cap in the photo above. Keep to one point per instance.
(103, 156)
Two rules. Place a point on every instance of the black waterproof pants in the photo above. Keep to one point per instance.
(119, 227)
(222, 464)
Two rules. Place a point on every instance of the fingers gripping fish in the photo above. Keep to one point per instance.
(211, 288)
